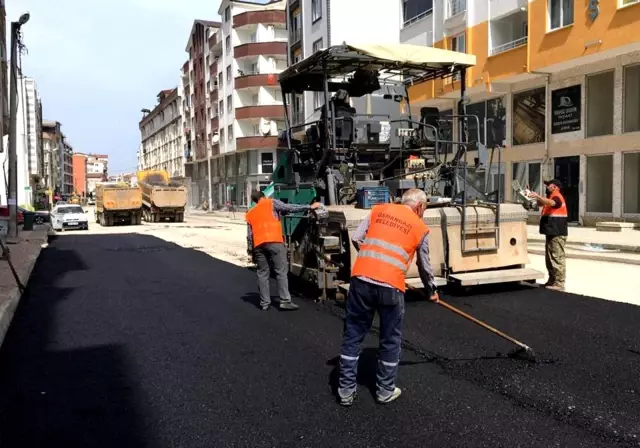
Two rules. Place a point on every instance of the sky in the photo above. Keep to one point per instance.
(97, 63)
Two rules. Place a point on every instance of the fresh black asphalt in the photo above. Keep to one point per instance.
(130, 341)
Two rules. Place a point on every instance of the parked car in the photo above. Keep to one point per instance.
(66, 217)
(4, 211)
(41, 216)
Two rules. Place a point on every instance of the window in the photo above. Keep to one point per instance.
(255, 99)
(221, 105)
(600, 104)
(631, 183)
(414, 10)
(266, 160)
(628, 2)
(529, 112)
(317, 45)
(227, 44)
(229, 74)
(560, 13)
(254, 68)
(458, 44)
(631, 99)
(229, 103)
(220, 78)
(600, 184)
(254, 37)
(316, 10)
(528, 175)
(227, 14)
(230, 132)
(318, 99)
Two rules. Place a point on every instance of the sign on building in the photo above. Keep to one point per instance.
(566, 109)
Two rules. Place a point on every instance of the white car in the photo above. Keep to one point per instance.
(64, 217)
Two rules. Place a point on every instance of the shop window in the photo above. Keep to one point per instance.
(600, 184)
(631, 183)
(600, 104)
(560, 13)
(528, 175)
(631, 99)
(529, 112)
(266, 160)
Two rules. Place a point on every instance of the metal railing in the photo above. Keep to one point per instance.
(509, 46)
(417, 18)
(457, 7)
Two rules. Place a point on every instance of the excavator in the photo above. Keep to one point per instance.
(363, 147)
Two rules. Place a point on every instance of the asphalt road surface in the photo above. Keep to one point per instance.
(130, 341)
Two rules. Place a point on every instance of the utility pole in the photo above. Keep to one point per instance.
(12, 233)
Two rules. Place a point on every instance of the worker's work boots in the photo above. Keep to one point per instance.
(395, 394)
(556, 287)
(288, 306)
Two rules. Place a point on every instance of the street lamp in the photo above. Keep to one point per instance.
(12, 233)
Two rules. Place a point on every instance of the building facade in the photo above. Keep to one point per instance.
(317, 24)
(242, 108)
(79, 162)
(97, 171)
(29, 150)
(562, 78)
(162, 134)
(58, 158)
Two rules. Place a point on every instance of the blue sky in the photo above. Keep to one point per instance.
(98, 62)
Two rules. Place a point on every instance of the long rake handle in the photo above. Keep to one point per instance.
(477, 321)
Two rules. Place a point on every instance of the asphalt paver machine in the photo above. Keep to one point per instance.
(363, 147)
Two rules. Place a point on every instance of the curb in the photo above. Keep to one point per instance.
(593, 257)
(8, 310)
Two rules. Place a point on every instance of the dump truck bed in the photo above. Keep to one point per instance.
(118, 198)
(163, 196)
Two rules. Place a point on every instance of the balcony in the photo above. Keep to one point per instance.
(260, 49)
(215, 124)
(508, 32)
(295, 35)
(275, 111)
(256, 80)
(259, 17)
(257, 142)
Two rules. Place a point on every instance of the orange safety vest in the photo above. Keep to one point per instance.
(560, 212)
(394, 234)
(265, 227)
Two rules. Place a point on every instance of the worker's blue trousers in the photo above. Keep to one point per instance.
(364, 300)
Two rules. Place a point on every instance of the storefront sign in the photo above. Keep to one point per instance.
(566, 109)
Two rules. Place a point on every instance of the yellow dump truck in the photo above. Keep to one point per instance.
(118, 202)
(161, 198)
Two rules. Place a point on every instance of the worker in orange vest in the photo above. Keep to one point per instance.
(387, 242)
(554, 225)
(265, 243)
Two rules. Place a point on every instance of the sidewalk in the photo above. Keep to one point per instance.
(23, 255)
(625, 241)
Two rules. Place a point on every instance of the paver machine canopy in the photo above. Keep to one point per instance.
(341, 154)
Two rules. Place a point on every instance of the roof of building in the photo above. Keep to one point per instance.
(162, 96)
(250, 2)
(205, 23)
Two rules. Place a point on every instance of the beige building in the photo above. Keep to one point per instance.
(162, 137)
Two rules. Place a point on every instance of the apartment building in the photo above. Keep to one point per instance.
(58, 158)
(79, 162)
(195, 94)
(161, 135)
(97, 170)
(317, 24)
(562, 78)
(28, 143)
(234, 121)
